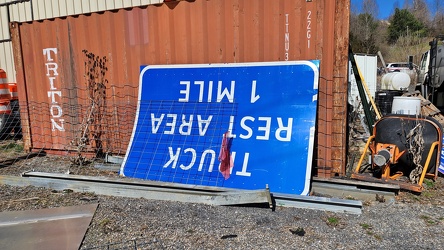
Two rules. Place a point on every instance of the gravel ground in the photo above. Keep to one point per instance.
(410, 222)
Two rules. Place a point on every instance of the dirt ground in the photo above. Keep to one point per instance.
(15, 162)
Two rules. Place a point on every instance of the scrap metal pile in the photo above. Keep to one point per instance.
(404, 149)
(405, 144)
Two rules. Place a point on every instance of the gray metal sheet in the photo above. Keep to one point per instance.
(53, 228)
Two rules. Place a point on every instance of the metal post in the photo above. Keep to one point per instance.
(368, 115)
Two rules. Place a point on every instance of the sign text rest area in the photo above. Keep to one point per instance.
(241, 125)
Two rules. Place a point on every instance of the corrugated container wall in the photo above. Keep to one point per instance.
(97, 59)
(25, 11)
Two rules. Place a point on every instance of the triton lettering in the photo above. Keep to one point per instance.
(56, 111)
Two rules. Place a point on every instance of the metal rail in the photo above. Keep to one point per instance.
(179, 192)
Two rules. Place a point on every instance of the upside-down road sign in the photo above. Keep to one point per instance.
(243, 125)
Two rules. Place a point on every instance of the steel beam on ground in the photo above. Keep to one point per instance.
(350, 192)
(361, 184)
(137, 189)
(319, 203)
(178, 192)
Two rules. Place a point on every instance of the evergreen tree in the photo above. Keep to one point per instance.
(404, 23)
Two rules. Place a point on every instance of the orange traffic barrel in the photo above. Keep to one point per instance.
(13, 91)
(5, 95)
(4, 86)
(5, 108)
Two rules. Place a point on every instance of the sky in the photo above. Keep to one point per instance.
(386, 7)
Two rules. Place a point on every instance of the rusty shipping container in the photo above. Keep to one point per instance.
(78, 76)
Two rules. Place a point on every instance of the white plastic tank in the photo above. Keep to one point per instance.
(406, 105)
(395, 81)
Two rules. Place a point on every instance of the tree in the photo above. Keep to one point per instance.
(421, 11)
(370, 7)
(438, 6)
(396, 5)
(438, 24)
(406, 4)
(362, 33)
(404, 23)
(438, 20)
(363, 28)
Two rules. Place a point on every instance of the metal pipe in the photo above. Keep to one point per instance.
(363, 153)
(382, 157)
(426, 165)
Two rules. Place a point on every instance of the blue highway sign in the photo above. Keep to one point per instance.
(243, 125)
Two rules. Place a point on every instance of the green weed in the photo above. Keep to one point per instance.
(333, 221)
(429, 184)
(12, 146)
(366, 226)
(428, 220)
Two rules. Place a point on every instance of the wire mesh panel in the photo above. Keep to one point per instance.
(83, 125)
(88, 130)
(174, 137)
